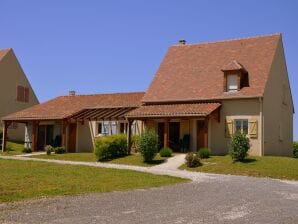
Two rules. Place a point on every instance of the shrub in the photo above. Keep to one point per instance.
(59, 150)
(204, 153)
(165, 152)
(192, 160)
(136, 143)
(295, 149)
(27, 150)
(49, 149)
(149, 145)
(239, 146)
(110, 147)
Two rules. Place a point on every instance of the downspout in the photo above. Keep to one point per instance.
(262, 126)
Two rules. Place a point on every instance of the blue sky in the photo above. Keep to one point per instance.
(116, 46)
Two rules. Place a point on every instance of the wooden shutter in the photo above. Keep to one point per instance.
(253, 128)
(26, 93)
(229, 128)
(20, 94)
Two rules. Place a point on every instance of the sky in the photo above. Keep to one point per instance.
(116, 46)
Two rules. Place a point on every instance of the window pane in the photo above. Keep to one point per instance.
(238, 125)
(232, 82)
(245, 126)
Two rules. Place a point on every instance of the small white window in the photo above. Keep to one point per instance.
(232, 83)
(241, 125)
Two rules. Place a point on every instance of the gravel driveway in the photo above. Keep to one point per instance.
(221, 199)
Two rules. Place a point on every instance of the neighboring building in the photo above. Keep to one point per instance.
(16, 92)
(200, 96)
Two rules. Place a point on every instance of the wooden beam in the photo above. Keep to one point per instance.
(129, 136)
(166, 133)
(34, 135)
(64, 126)
(4, 139)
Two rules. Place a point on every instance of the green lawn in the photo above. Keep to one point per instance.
(30, 179)
(134, 159)
(266, 166)
(13, 148)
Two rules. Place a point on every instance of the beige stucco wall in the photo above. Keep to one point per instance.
(12, 75)
(234, 109)
(278, 109)
(84, 138)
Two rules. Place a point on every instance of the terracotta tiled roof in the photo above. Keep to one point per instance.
(3, 52)
(233, 65)
(174, 110)
(65, 106)
(194, 71)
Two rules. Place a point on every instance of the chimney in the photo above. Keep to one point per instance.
(182, 42)
(72, 93)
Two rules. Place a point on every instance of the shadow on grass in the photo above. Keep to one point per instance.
(248, 160)
(156, 162)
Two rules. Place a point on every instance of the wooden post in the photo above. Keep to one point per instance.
(34, 135)
(206, 133)
(166, 133)
(63, 141)
(4, 139)
(129, 136)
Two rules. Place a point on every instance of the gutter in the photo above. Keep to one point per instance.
(262, 142)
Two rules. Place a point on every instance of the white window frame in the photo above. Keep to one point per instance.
(234, 85)
(241, 120)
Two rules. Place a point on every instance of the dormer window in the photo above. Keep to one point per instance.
(235, 77)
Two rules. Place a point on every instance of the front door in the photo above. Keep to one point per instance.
(174, 136)
(72, 138)
(41, 137)
(202, 134)
(160, 132)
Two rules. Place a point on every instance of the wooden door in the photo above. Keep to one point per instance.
(174, 136)
(72, 139)
(202, 134)
(41, 137)
(49, 134)
(160, 133)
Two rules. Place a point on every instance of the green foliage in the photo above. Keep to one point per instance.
(295, 149)
(149, 145)
(204, 153)
(165, 152)
(59, 150)
(192, 160)
(27, 150)
(110, 147)
(239, 146)
(136, 143)
(49, 149)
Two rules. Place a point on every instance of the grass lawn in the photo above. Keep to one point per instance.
(134, 159)
(30, 179)
(14, 148)
(266, 166)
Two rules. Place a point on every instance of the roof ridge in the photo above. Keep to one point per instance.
(228, 40)
(97, 94)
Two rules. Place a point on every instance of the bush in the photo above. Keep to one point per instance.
(295, 149)
(49, 149)
(136, 143)
(165, 152)
(27, 150)
(239, 146)
(192, 160)
(110, 147)
(204, 153)
(149, 145)
(59, 150)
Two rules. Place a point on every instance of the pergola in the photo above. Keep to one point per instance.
(87, 114)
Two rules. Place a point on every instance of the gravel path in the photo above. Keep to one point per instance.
(210, 198)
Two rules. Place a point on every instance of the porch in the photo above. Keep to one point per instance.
(182, 127)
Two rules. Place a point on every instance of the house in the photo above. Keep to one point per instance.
(201, 94)
(16, 92)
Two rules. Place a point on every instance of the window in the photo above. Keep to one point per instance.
(232, 83)
(241, 126)
(22, 94)
(99, 128)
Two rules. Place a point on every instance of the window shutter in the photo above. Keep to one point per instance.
(26, 94)
(20, 93)
(229, 128)
(253, 128)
